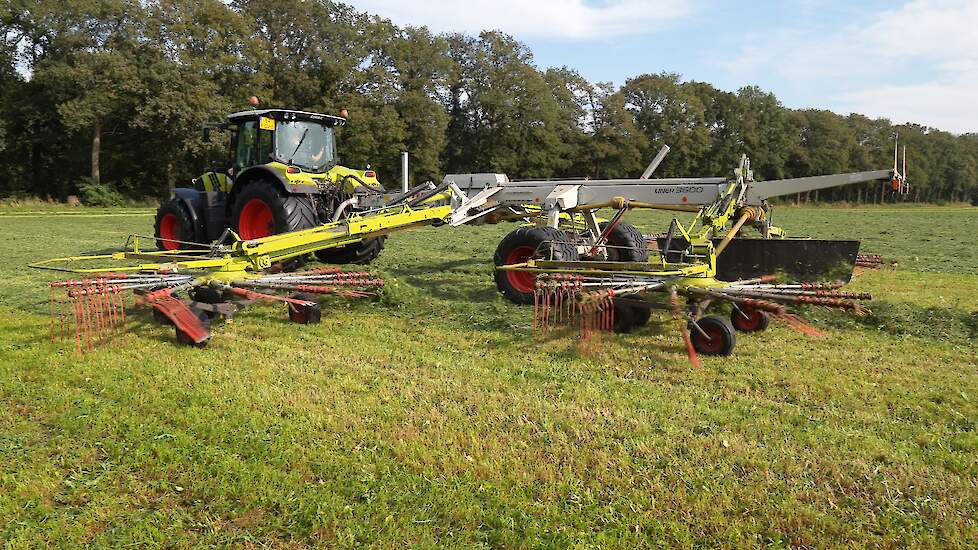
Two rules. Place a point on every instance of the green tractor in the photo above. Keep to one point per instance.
(282, 176)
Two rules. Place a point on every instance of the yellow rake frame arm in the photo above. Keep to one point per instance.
(236, 258)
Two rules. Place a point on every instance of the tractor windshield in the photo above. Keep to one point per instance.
(305, 144)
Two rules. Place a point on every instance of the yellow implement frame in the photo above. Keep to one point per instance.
(232, 258)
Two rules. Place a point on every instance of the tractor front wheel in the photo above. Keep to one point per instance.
(261, 209)
(521, 245)
(173, 228)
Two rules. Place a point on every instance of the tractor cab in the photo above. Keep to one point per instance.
(281, 139)
(297, 139)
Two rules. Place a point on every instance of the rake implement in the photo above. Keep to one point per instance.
(90, 312)
(190, 288)
(602, 303)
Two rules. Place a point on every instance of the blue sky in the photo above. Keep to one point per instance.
(910, 61)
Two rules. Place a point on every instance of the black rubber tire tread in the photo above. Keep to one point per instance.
(736, 319)
(625, 314)
(207, 295)
(360, 253)
(289, 212)
(726, 329)
(187, 230)
(642, 314)
(557, 249)
(636, 248)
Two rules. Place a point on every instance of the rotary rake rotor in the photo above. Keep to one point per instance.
(571, 295)
(88, 312)
(594, 304)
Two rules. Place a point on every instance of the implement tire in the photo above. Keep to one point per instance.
(626, 243)
(173, 223)
(360, 253)
(720, 336)
(521, 245)
(261, 209)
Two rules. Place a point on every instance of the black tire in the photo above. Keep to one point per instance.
(305, 315)
(626, 243)
(186, 340)
(642, 315)
(360, 253)
(522, 244)
(207, 295)
(723, 337)
(161, 317)
(173, 221)
(755, 320)
(287, 212)
(628, 315)
(625, 313)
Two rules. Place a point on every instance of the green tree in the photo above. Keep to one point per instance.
(765, 131)
(668, 113)
(617, 145)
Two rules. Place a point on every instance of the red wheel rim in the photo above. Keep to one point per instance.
(170, 231)
(750, 319)
(521, 281)
(715, 342)
(298, 314)
(255, 220)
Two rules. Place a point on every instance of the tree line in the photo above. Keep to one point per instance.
(111, 95)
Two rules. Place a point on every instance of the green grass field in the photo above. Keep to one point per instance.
(432, 417)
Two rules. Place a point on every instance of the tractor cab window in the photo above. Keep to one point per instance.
(253, 146)
(246, 150)
(308, 145)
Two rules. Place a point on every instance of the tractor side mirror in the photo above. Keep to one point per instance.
(207, 135)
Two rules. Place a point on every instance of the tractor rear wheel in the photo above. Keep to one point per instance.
(626, 243)
(361, 253)
(173, 224)
(261, 209)
(521, 245)
(718, 336)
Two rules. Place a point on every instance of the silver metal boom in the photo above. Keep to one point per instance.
(489, 192)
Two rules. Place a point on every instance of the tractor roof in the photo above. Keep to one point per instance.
(287, 114)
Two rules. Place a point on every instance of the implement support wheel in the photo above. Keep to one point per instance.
(185, 339)
(749, 319)
(719, 338)
(305, 314)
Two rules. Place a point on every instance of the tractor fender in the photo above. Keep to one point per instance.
(194, 202)
(253, 173)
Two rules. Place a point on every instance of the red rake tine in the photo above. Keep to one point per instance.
(536, 309)
(677, 315)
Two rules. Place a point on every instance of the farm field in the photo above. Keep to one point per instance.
(432, 416)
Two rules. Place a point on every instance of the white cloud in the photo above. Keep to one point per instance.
(568, 19)
(914, 63)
